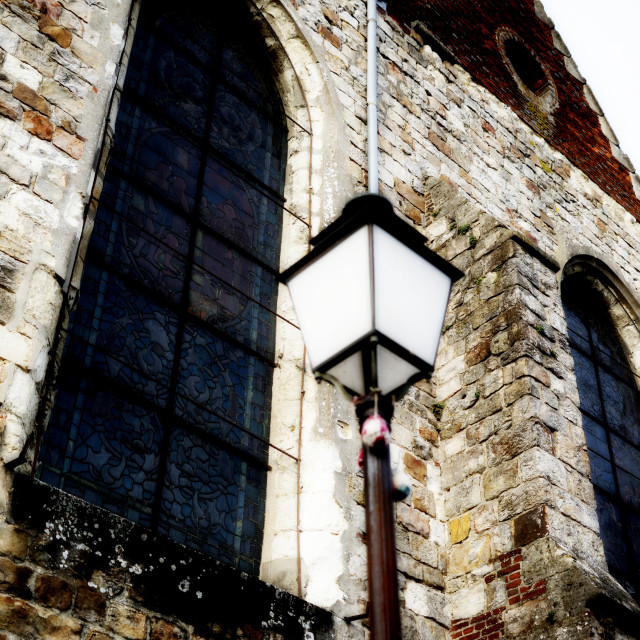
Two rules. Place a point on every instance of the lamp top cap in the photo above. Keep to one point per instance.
(363, 209)
(371, 208)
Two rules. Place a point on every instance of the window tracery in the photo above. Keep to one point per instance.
(163, 396)
(610, 407)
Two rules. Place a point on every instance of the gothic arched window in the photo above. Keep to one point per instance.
(163, 396)
(610, 407)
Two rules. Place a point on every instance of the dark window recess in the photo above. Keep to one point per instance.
(610, 407)
(526, 65)
(163, 397)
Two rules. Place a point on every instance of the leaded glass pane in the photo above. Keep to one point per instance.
(588, 384)
(164, 397)
(610, 403)
(611, 523)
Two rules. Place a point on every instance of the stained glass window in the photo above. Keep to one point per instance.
(610, 407)
(163, 397)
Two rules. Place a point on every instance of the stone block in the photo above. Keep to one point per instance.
(53, 592)
(538, 463)
(470, 556)
(10, 272)
(8, 110)
(58, 34)
(427, 602)
(412, 519)
(424, 500)
(15, 347)
(455, 469)
(459, 528)
(68, 143)
(498, 479)
(15, 170)
(484, 517)
(418, 547)
(464, 496)
(47, 191)
(90, 604)
(468, 602)
(14, 437)
(21, 72)
(14, 578)
(8, 39)
(44, 300)
(14, 541)
(162, 630)
(60, 96)
(126, 621)
(520, 620)
(523, 498)
(530, 526)
(29, 97)
(415, 467)
(410, 566)
(518, 438)
(87, 52)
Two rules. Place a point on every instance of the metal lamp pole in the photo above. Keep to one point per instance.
(384, 605)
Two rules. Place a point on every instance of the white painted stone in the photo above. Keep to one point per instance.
(21, 398)
(14, 437)
(468, 602)
(8, 40)
(454, 445)
(427, 602)
(15, 347)
(21, 72)
(319, 551)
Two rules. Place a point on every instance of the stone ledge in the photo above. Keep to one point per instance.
(80, 540)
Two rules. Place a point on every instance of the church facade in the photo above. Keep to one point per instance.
(170, 467)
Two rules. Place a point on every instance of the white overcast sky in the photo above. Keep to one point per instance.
(604, 39)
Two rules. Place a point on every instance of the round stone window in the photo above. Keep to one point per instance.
(532, 78)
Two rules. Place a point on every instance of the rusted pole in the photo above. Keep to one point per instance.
(384, 605)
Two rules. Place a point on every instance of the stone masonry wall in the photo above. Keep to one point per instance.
(500, 534)
(56, 77)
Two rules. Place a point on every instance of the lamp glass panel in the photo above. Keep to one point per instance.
(411, 296)
(332, 297)
(393, 371)
(349, 373)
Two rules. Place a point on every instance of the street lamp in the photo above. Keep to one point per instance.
(371, 300)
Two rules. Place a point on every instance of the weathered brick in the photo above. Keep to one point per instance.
(14, 578)
(14, 541)
(37, 125)
(68, 143)
(31, 98)
(127, 621)
(162, 630)
(7, 110)
(329, 36)
(530, 526)
(57, 33)
(54, 592)
(424, 500)
(413, 519)
(415, 467)
(90, 604)
(331, 16)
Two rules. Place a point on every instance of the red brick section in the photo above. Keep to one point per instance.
(573, 128)
(490, 625)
